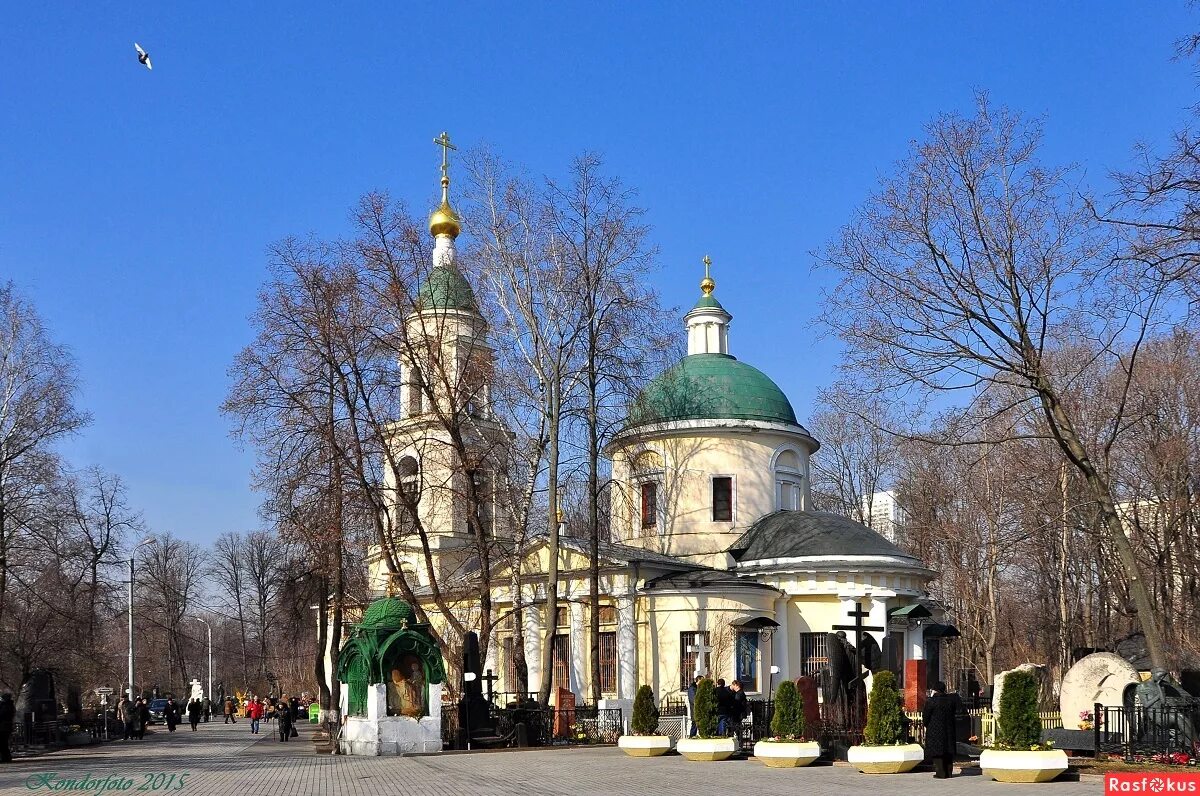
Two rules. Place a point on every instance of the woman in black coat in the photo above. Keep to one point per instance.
(171, 714)
(195, 709)
(284, 716)
(941, 741)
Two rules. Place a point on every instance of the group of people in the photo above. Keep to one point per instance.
(284, 711)
(731, 705)
(134, 715)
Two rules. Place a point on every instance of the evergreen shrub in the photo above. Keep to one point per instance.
(645, 713)
(706, 709)
(788, 720)
(1018, 725)
(885, 712)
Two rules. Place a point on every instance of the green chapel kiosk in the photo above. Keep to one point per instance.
(392, 674)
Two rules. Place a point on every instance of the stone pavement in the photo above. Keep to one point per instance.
(225, 760)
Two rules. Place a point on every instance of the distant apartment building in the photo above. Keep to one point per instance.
(884, 515)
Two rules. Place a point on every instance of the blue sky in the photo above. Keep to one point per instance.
(135, 207)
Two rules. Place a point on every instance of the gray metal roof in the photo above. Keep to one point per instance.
(796, 534)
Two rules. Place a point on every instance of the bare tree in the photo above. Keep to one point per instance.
(37, 390)
(975, 265)
(171, 571)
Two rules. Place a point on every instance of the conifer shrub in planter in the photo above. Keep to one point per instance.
(884, 749)
(787, 747)
(708, 746)
(644, 740)
(1019, 754)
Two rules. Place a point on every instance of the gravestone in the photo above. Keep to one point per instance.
(916, 684)
(1100, 677)
(37, 696)
(474, 711)
(564, 713)
(1041, 673)
(806, 687)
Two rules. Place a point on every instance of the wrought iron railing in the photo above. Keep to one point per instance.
(1164, 735)
(534, 725)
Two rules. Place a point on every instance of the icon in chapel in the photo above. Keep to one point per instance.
(406, 688)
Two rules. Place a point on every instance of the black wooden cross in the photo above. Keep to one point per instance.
(858, 614)
(489, 678)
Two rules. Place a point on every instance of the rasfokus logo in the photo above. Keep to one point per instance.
(1132, 782)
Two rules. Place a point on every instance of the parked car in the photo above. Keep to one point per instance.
(158, 708)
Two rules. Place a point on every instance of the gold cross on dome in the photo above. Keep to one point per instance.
(443, 141)
(707, 264)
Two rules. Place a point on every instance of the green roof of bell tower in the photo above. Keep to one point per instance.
(446, 289)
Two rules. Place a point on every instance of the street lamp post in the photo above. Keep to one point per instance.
(129, 691)
(208, 693)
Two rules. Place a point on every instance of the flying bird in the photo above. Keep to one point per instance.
(143, 56)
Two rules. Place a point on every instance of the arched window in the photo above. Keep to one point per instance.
(408, 474)
(788, 480)
(414, 388)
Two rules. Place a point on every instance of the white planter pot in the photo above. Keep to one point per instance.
(787, 754)
(1005, 766)
(644, 745)
(885, 759)
(706, 749)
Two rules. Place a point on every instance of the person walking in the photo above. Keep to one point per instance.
(941, 741)
(8, 714)
(283, 716)
(195, 709)
(724, 704)
(125, 715)
(254, 710)
(141, 717)
(738, 707)
(171, 714)
(229, 717)
(294, 715)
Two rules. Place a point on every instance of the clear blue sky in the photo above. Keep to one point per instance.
(135, 207)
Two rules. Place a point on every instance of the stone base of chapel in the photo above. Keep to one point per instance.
(379, 734)
(393, 735)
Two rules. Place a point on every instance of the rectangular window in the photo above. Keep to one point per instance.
(608, 615)
(814, 655)
(747, 659)
(687, 656)
(560, 617)
(562, 661)
(608, 663)
(650, 505)
(722, 499)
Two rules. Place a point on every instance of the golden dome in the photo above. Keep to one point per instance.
(444, 221)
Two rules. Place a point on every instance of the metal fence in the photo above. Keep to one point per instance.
(1164, 735)
(540, 726)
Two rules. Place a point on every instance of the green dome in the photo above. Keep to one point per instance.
(446, 289)
(388, 612)
(712, 387)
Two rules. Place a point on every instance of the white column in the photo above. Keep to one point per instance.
(878, 618)
(627, 683)
(578, 647)
(916, 643)
(533, 645)
(781, 644)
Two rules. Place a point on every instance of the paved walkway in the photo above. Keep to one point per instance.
(225, 760)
